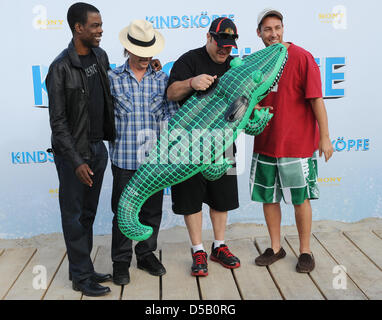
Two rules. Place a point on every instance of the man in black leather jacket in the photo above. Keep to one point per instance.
(81, 117)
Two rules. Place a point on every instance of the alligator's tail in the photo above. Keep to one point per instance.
(146, 181)
(130, 204)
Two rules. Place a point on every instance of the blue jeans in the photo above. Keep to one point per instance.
(78, 205)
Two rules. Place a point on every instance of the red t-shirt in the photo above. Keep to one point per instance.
(293, 130)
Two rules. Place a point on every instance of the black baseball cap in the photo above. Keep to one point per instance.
(224, 31)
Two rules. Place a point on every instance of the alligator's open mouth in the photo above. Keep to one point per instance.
(277, 79)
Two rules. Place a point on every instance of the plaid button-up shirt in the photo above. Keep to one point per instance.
(139, 108)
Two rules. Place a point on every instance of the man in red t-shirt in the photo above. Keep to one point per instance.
(284, 163)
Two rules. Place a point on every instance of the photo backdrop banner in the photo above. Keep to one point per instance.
(336, 33)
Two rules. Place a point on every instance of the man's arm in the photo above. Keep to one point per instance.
(178, 90)
(59, 124)
(319, 110)
(55, 85)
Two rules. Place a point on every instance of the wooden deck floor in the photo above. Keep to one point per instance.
(348, 266)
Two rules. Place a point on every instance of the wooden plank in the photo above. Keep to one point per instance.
(219, 284)
(293, 285)
(368, 243)
(12, 263)
(61, 286)
(1, 251)
(44, 263)
(103, 264)
(362, 271)
(177, 283)
(142, 286)
(255, 283)
(325, 273)
(378, 233)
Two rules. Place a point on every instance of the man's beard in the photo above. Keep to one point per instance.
(90, 44)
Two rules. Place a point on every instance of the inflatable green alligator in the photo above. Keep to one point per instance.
(201, 131)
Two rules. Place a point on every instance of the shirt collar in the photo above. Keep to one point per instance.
(126, 67)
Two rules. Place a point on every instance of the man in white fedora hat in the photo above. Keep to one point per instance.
(140, 105)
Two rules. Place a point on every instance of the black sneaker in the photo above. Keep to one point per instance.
(199, 264)
(224, 257)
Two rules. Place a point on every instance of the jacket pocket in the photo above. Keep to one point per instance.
(75, 93)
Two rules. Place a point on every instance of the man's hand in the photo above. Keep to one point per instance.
(325, 147)
(156, 65)
(202, 82)
(83, 173)
(259, 107)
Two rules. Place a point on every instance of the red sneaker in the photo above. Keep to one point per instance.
(199, 264)
(224, 257)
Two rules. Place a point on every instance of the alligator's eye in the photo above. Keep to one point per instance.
(257, 76)
(237, 109)
(237, 62)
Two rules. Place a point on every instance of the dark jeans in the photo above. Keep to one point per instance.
(150, 215)
(78, 204)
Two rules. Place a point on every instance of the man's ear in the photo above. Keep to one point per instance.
(258, 32)
(78, 27)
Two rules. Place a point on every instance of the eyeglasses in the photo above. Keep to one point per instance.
(225, 36)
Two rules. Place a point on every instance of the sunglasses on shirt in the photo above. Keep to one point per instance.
(225, 36)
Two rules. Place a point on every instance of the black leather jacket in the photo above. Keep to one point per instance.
(68, 94)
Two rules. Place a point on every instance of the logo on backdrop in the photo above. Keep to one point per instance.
(337, 17)
(330, 181)
(53, 192)
(39, 74)
(342, 144)
(331, 73)
(331, 76)
(31, 157)
(202, 20)
(41, 20)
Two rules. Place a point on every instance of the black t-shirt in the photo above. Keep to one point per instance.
(196, 62)
(96, 97)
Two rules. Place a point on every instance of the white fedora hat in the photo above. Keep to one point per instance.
(141, 39)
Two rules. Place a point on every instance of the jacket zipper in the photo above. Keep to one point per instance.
(85, 82)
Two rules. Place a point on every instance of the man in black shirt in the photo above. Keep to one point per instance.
(197, 70)
(81, 117)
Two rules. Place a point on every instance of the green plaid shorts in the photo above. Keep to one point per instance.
(293, 179)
